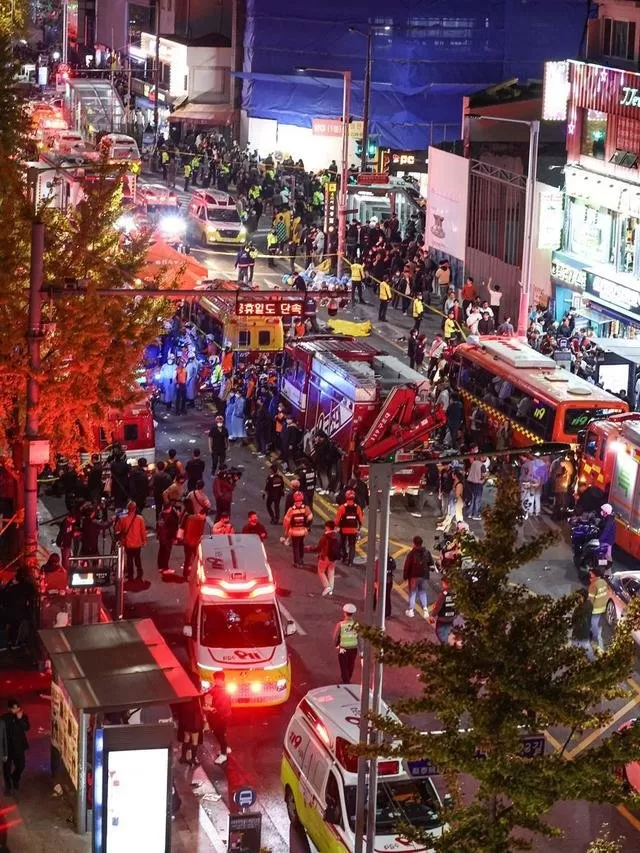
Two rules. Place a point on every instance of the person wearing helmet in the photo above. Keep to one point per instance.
(288, 501)
(349, 521)
(296, 523)
(346, 641)
(607, 528)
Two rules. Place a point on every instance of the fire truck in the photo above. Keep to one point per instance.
(370, 404)
(609, 460)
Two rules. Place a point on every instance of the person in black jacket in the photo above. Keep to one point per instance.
(90, 530)
(139, 485)
(194, 470)
(417, 568)
(119, 478)
(160, 482)
(274, 492)
(16, 724)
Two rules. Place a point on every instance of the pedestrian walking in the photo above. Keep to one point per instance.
(218, 444)
(328, 550)
(417, 568)
(181, 388)
(166, 532)
(296, 523)
(349, 521)
(132, 535)
(598, 593)
(273, 492)
(346, 641)
(217, 710)
(16, 726)
(194, 469)
(160, 482)
(581, 623)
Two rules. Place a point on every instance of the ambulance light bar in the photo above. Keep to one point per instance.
(233, 591)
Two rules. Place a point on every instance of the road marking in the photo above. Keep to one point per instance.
(590, 738)
(626, 814)
(300, 630)
(633, 684)
(554, 743)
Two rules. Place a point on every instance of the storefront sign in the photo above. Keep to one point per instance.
(550, 217)
(555, 91)
(614, 294)
(395, 161)
(572, 276)
(274, 304)
(245, 832)
(333, 127)
(629, 97)
(330, 206)
(447, 202)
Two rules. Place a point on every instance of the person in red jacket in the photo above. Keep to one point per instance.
(349, 521)
(193, 527)
(223, 486)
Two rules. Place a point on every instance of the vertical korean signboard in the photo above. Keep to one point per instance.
(331, 206)
(447, 201)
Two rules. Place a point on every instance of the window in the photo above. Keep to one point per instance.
(264, 338)
(240, 626)
(577, 419)
(590, 233)
(131, 432)
(619, 39)
(627, 134)
(332, 800)
(594, 134)
(244, 338)
(591, 444)
(102, 437)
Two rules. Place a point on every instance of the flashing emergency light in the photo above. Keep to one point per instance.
(346, 756)
(232, 688)
(125, 223)
(172, 225)
(388, 768)
(323, 734)
(617, 446)
(256, 687)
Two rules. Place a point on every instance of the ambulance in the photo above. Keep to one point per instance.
(213, 218)
(319, 774)
(233, 621)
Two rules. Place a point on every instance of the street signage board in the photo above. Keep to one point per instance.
(333, 127)
(275, 304)
(244, 797)
(367, 179)
(245, 832)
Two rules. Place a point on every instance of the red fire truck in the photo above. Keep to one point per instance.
(369, 403)
(609, 460)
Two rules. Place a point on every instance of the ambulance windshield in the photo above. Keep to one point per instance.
(240, 626)
(220, 214)
(411, 801)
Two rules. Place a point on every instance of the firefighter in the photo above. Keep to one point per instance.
(297, 521)
(345, 639)
(348, 521)
(243, 264)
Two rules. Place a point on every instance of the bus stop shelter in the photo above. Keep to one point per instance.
(101, 669)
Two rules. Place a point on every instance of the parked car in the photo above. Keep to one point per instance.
(623, 587)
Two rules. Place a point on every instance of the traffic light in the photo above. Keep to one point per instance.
(372, 147)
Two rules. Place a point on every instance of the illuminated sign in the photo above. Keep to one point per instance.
(330, 206)
(550, 218)
(274, 304)
(575, 278)
(615, 294)
(333, 127)
(398, 161)
(555, 91)
(629, 97)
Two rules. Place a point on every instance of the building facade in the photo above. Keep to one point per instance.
(597, 268)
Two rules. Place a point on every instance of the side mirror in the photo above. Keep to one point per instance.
(447, 801)
(290, 628)
(187, 631)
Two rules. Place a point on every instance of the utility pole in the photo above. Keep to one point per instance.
(65, 31)
(364, 158)
(156, 76)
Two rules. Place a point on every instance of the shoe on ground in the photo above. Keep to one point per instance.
(221, 759)
(409, 613)
(326, 591)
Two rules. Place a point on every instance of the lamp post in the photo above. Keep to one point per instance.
(344, 166)
(156, 75)
(529, 207)
(366, 103)
(65, 31)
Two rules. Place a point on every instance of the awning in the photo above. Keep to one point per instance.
(175, 265)
(117, 665)
(216, 115)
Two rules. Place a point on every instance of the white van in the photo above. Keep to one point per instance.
(69, 142)
(319, 775)
(118, 147)
(213, 218)
(233, 622)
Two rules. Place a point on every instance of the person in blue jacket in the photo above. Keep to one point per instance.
(607, 528)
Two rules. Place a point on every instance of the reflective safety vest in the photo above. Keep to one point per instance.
(357, 272)
(187, 170)
(299, 518)
(272, 239)
(349, 517)
(599, 595)
(318, 198)
(348, 635)
(165, 157)
(447, 609)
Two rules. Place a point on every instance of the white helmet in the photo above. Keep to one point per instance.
(606, 509)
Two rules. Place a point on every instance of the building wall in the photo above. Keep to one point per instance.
(269, 136)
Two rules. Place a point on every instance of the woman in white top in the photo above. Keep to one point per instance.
(495, 296)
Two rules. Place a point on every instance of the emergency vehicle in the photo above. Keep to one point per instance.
(233, 622)
(319, 774)
(132, 428)
(609, 461)
(213, 218)
(215, 314)
(368, 403)
(156, 210)
(510, 382)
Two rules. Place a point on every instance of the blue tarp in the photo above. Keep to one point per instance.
(436, 52)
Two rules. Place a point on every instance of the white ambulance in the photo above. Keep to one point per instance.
(319, 774)
(233, 621)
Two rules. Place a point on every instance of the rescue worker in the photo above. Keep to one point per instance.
(384, 295)
(345, 639)
(195, 165)
(296, 523)
(357, 277)
(187, 175)
(598, 596)
(349, 520)
(443, 613)
(607, 534)
(272, 244)
(273, 492)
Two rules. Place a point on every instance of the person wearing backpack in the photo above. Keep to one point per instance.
(349, 521)
(329, 550)
(417, 568)
(173, 466)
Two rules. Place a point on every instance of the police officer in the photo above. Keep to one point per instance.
(296, 523)
(348, 521)
(273, 492)
(187, 175)
(164, 161)
(357, 277)
(253, 254)
(272, 244)
(345, 639)
(307, 477)
(443, 613)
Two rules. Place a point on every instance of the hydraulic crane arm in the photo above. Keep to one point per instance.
(400, 423)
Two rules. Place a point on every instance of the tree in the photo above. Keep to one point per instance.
(92, 346)
(515, 672)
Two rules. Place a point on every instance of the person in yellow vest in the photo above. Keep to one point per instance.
(417, 310)
(357, 277)
(272, 245)
(164, 162)
(598, 596)
(345, 639)
(195, 165)
(384, 294)
(253, 254)
(295, 525)
(187, 175)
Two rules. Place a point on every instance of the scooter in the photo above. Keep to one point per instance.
(588, 552)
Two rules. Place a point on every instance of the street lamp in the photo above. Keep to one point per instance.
(529, 206)
(366, 105)
(344, 167)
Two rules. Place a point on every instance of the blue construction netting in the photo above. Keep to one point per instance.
(436, 52)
